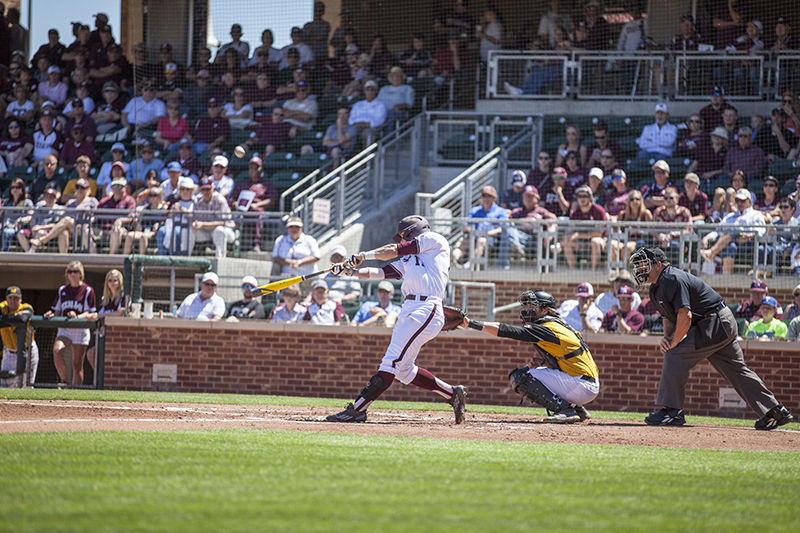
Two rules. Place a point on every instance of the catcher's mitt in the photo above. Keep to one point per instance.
(453, 316)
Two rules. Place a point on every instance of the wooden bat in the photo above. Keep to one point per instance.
(275, 286)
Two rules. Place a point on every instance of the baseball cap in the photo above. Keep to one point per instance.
(47, 112)
(82, 182)
(622, 275)
(76, 101)
(691, 176)
(250, 280)
(170, 67)
(584, 188)
(489, 191)
(661, 165)
(166, 46)
(596, 172)
(351, 48)
(338, 249)
(778, 110)
(203, 73)
(662, 107)
(118, 146)
(560, 172)
(769, 300)
(54, 69)
(371, 83)
(119, 182)
(51, 190)
(618, 173)
(719, 131)
(717, 90)
(301, 83)
(319, 283)
(110, 86)
(210, 276)
(294, 221)
(757, 24)
(386, 286)
(743, 194)
(174, 166)
(83, 159)
(518, 175)
(530, 190)
(687, 16)
(13, 291)
(185, 142)
(782, 20)
(625, 292)
(220, 160)
(212, 101)
(77, 126)
(584, 289)
(186, 183)
(257, 160)
(773, 179)
(207, 183)
(118, 164)
(745, 130)
(758, 285)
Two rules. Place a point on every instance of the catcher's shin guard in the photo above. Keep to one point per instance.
(527, 385)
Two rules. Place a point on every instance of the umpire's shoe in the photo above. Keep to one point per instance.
(459, 402)
(777, 416)
(665, 417)
(567, 415)
(583, 414)
(348, 415)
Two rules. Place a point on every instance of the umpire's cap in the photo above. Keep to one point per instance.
(411, 226)
(655, 254)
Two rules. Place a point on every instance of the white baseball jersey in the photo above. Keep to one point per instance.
(424, 272)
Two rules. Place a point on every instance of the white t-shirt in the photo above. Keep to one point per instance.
(304, 246)
(426, 272)
(141, 112)
(195, 307)
(569, 312)
(282, 314)
(309, 105)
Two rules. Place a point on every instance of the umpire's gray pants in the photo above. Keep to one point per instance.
(726, 357)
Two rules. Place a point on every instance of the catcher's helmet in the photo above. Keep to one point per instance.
(536, 298)
(643, 259)
(410, 227)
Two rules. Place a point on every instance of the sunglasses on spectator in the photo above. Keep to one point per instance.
(694, 121)
(635, 199)
(670, 198)
(787, 101)
(73, 271)
(209, 284)
(785, 206)
(486, 196)
(586, 196)
(248, 286)
(740, 200)
(81, 188)
(544, 158)
(796, 294)
(16, 187)
(277, 113)
(14, 127)
(172, 107)
(153, 195)
(572, 156)
(599, 136)
(117, 186)
(291, 295)
(604, 156)
(617, 177)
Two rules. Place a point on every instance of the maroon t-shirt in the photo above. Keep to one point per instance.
(595, 212)
(698, 206)
(126, 202)
(263, 189)
(272, 133)
(79, 299)
(9, 145)
(633, 318)
(207, 129)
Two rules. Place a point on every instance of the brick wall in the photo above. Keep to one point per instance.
(305, 360)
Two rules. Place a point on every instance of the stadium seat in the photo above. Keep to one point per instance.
(285, 179)
(460, 146)
(312, 138)
(309, 162)
(783, 169)
(277, 161)
(788, 187)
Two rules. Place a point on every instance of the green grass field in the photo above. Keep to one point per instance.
(252, 480)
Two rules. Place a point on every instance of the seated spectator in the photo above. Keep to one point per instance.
(63, 229)
(745, 156)
(689, 142)
(143, 112)
(369, 115)
(212, 220)
(18, 198)
(733, 244)
(751, 309)
(730, 123)
(768, 203)
(711, 114)
(22, 107)
(653, 193)
(41, 220)
(381, 312)
(80, 117)
(190, 166)
(793, 310)
(258, 194)
(608, 164)
(540, 175)
(489, 233)
(206, 304)
(617, 198)
(417, 60)
(262, 95)
(576, 177)
(112, 225)
(82, 167)
(295, 252)
(582, 314)
(606, 301)
(623, 318)
(786, 229)
(723, 201)
(172, 128)
(170, 86)
(398, 97)
(658, 140)
(555, 200)
(76, 146)
(171, 237)
(793, 331)
(301, 111)
(248, 308)
(288, 89)
(286, 72)
(653, 321)
(767, 327)
(672, 213)
(46, 140)
(572, 144)
(271, 136)
(14, 312)
(108, 114)
(380, 58)
(448, 58)
(595, 184)
(635, 211)
(53, 89)
(118, 152)
(146, 161)
(342, 288)
(15, 147)
(340, 137)
(586, 210)
(48, 177)
(196, 95)
(145, 224)
(775, 140)
(602, 142)
(222, 183)
(322, 310)
(518, 238)
(512, 197)
(693, 199)
(238, 112)
(290, 309)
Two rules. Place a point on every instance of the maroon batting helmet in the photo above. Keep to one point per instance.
(410, 227)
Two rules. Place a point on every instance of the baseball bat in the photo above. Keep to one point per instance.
(275, 286)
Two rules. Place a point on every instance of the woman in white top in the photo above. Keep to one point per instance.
(238, 112)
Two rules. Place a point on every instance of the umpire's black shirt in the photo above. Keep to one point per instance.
(676, 289)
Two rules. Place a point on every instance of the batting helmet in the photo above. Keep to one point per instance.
(536, 298)
(410, 227)
(643, 259)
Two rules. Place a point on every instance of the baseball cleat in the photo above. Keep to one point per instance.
(665, 417)
(348, 415)
(775, 417)
(459, 402)
(567, 415)
(582, 413)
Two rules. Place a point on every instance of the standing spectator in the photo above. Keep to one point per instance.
(16, 313)
(693, 199)
(212, 221)
(211, 131)
(205, 305)
(519, 237)
(551, 21)
(732, 243)
(112, 303)
(582, 314)
(75, 299)
(599, 33)
(369, 115)
(448, 58)
(143, 112)
(46, 140)
(380, 58)
(75, 147)
(17, 198)
(767, 327)
(397, 97)
(745, 156)
(340, 137)
(316, 32)
(488, 233)
(248, 308)
(301, 110)
(490, 33)
(256, 195)
(672, 213)
(295, 252)
(381, 312)
(711, 153)
(658, 139)
(653, 193)
(53, 49)
(623, 318)
(586, 210)
(747, 73)
(512, 197)
(63, 229)
(606, 301)
(322, 310)
(242, 48)
(289, 310)
(266, 50)
(147, 161)
(711, 114)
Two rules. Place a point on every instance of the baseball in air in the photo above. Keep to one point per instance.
(239, 151)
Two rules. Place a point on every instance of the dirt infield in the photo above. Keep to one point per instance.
(38, 415)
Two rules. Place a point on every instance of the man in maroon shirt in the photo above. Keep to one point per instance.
(76, 146)
(119, 199)
(711, 115)
(79, 116)
(585, 210)
(259, 196)
(272, 135)
(189, 164)
(518, 237)
(211, 131)
(623, 319)
(693, 199)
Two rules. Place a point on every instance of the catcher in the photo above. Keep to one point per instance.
(569, 378)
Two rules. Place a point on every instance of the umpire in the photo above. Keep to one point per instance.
(697, 325)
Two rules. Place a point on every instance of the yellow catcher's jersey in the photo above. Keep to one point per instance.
(556, 338)
(9, 335)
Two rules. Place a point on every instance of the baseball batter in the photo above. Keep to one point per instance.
(423, 262)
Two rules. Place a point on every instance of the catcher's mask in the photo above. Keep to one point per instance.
(642, 261)
(532, 302)
(410, 227)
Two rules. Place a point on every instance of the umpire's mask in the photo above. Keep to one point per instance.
(642, 261)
